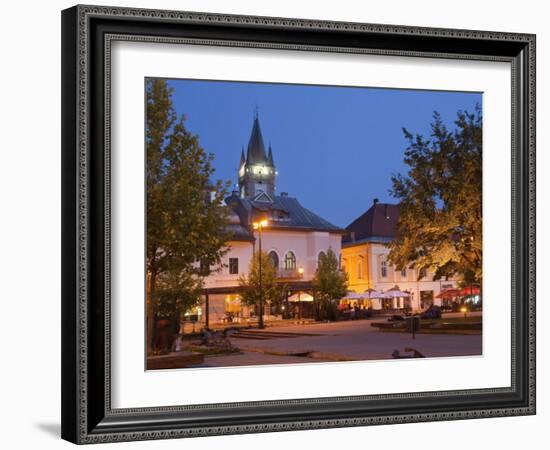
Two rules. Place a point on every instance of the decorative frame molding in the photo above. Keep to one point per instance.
(87, 34)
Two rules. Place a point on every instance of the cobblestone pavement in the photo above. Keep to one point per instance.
(341, 341)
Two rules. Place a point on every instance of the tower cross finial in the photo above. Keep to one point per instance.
(256, 110)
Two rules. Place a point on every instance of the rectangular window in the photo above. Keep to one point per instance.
(204, 268)
(383, 269)
(404, 273)
(233, 266)
(360, 268)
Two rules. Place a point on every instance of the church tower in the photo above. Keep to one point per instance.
(257, 170)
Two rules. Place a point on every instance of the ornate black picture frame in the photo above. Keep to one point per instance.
(87, 415)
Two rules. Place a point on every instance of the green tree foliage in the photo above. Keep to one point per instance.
(440, 215)
(272, 291)
(177, 293)
(330, 284)
(184, 224)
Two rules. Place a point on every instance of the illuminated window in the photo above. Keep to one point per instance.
(290, 261)
(383, 269)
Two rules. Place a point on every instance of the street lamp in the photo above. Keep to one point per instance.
(301, 272)
(259, 226)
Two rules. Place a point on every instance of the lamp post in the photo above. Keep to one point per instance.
(301, 272)
(259, 226)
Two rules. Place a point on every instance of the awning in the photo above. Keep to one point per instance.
(449, 293)
(353, 296)
(470, 290)
(373, 293)
(395, 292)
(300, 297)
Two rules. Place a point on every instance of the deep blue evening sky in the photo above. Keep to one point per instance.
(335, 148)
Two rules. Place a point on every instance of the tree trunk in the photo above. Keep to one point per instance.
(151, 292)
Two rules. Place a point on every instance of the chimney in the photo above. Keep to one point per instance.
(374, 201)
(284, 194)
(352, 235)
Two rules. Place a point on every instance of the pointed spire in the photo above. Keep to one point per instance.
(270, 157)
(243, 160)
(256, 150)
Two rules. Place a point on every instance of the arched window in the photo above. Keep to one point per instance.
(321, 256)
(290, 261)
(274, 258)
(360, 267)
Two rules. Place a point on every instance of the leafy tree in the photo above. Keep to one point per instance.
(330, 284)
(440, 214)
(271, 291)
(185, 217)
(177, 293)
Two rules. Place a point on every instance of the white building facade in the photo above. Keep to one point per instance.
(293, 238)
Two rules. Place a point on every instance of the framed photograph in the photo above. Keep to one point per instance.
(280, 224)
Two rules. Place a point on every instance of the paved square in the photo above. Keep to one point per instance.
(338, 341)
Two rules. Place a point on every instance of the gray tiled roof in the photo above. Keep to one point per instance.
(300, 216)
(295, 215)
(239, 233)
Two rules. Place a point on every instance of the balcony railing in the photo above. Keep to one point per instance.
(289, 273)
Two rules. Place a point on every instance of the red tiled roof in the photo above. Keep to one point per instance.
(380, 220)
